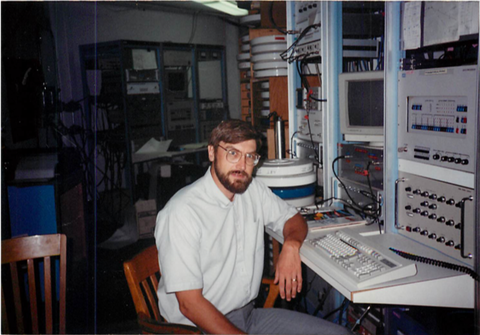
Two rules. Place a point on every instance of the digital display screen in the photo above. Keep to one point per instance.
(176, 81)
(365, 103)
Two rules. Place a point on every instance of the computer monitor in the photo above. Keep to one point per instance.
(361, 98)
(177, 83)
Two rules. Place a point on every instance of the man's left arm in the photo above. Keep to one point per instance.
(288, 274)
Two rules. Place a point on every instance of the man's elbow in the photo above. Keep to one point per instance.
(186, 304)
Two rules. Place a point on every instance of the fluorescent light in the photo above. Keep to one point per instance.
(225, 6)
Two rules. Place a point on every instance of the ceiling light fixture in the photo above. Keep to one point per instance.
(225, 6)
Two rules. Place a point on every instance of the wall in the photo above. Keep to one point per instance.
(78, 23)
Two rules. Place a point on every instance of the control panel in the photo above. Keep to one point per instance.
(181, 122)
(362, 164)
(437, 116)
(361, 176)
(309, 114)
(437, 214)
(307, 14)
(180, 115)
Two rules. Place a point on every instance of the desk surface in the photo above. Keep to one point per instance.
(431, 286)
(145, 157)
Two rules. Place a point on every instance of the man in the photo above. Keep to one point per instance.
(210, 240)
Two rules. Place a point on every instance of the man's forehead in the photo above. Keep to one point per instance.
(250, 144)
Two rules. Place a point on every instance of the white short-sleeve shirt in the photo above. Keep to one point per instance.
(205, 241)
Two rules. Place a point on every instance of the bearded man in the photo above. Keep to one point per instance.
(210, 241)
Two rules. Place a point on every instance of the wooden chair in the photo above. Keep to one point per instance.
(26, 304)
(143, 273)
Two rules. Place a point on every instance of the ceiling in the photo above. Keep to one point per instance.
(184, 6)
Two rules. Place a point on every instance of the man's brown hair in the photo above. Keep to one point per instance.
(234, 131)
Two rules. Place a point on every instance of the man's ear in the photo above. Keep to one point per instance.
(211, 153)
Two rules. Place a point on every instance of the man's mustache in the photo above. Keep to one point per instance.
(238, 171)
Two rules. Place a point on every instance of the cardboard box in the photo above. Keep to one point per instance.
(146, 211)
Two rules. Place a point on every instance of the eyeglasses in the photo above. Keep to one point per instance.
(234, 156)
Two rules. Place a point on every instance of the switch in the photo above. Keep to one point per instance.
(464, 161)
(441, 219)
(444, 158)
(450, 202)
(450, 223)
(442, 199)
(451, 159)
(432, 216)
(408, 189)
(417, 210)
(424, 233)
(424, 213)
(450, 243)
(408, 207)
(458, 225)
(417, 191)
(416, 229)
(424, 204)
(436, 157)
(441, 239)
(432, 236)
(433, 196)
(458, 246)
(458, 160)
(433, 206)
(425, 194)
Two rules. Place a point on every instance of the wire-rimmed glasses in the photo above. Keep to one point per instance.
(234, 156)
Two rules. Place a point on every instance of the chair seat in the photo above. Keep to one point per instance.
(143, 273)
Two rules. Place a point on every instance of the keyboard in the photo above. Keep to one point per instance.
(363, 262)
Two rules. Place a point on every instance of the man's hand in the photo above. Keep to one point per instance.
(288, 272)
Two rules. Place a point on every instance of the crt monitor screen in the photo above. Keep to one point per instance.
(365, 103)
(177, 81)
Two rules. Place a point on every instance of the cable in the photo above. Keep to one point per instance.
(270, 16)
(364, 210)
(435, 262)
(344, 303)
(360, 319)
(194, 27)
(291, 144)
(290, 58)
(341, 182)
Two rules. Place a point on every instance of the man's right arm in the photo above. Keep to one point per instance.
(201, 312)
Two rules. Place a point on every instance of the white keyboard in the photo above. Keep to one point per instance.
(363, 262)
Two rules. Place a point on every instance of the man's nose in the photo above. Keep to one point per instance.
(242, 163)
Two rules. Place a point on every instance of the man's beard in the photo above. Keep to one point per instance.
(237, 186)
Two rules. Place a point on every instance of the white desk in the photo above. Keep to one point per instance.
(145, 157)
(431, 286)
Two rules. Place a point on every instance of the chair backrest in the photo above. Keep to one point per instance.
(26, 304)
(143, 273)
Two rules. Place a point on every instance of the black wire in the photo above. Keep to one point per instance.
(291, 144)
(337, 309)
(435, 262)
(341, 182)
(376, 202)
(291, 57)
(270, 16)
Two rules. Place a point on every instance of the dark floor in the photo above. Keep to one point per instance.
(104, 304)
(115, 309)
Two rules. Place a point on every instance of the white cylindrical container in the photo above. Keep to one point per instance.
(293, 180)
